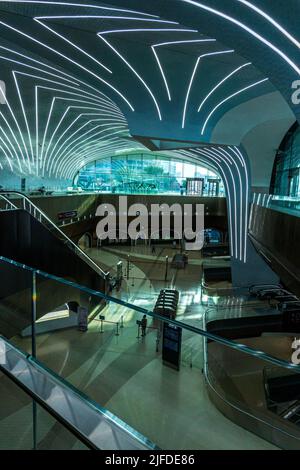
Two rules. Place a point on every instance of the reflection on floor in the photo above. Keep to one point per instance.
(126, 375)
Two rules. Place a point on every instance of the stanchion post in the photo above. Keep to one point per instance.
(167, 265)
(102, 318)
(33, 353)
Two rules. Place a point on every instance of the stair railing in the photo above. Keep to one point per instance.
(38, 214)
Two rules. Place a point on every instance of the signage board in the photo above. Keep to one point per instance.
(67, 215)
(171, 348)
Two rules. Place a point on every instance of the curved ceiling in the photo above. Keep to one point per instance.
(81, 78)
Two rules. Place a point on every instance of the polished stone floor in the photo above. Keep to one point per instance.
(125, 373)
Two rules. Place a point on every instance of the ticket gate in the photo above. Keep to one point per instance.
(213, 187)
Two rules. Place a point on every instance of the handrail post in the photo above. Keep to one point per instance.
(33, 315)
(117, 330)
(33, 209)
(33, 353)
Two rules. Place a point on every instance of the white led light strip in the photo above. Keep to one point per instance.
(228, 193)
(101, 107)
(72, 169)
(233, 223)
(70, 60)
(272, 21)
(5, 134)
(105, 153)
(36, 95)
(94, 101)
(78, 5)
(171, 43)
(92, 149)
(222, 151)
(135, 72)
(193, 77)
(221, 83)
(102, 17)
(237, 151)
(148, 30)
(228, 99)
(72, 147)
(69, 108)
(26, 162)
(246, 28)
(65, 146)
(38, 20)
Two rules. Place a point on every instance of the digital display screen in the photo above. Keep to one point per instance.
(171, 345)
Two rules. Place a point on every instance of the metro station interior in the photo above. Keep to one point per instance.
(149, 342)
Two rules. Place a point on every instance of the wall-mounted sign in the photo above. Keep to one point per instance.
(67, 215)
(171, 350)
(2, 92)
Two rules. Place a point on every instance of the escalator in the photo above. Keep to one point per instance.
(283, 395)
(29, 237)
(91, 425)
(279, 313)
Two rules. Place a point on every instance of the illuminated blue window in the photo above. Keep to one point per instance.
(146, 174)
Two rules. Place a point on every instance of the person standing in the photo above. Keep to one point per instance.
(144, 325)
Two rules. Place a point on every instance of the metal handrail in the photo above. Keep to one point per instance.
(68, 240)
(186, 326)
(13, 206)
(99, 431)
(229, 401)
(265, 287)
(242, 307)
(223, 289)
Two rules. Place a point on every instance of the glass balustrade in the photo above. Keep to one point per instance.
(106, 351)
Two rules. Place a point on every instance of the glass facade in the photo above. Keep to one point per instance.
(144, 174)
(286, 174)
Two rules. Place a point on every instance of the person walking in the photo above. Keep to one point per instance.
(144, 325)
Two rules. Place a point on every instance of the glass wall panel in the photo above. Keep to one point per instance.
(143, 174)
(286, 174)
(25, 425)
(188, 170)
